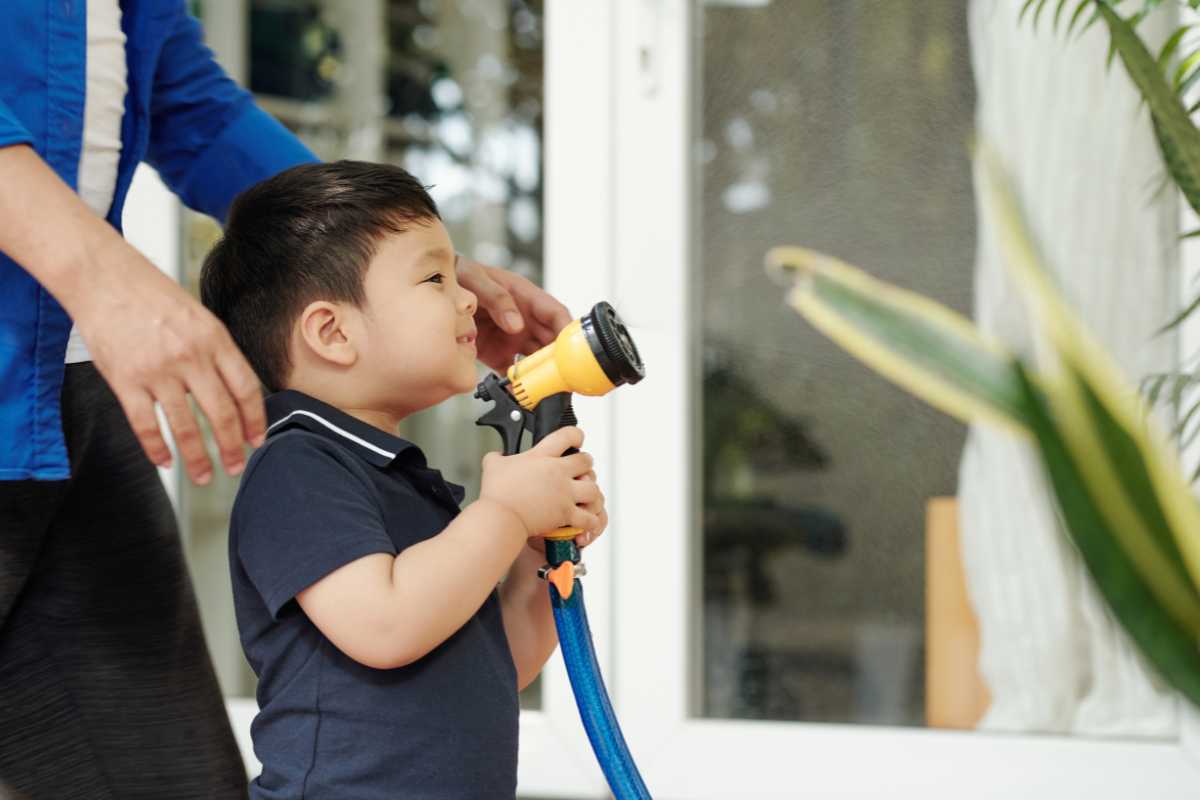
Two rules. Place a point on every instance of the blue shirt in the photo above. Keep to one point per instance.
(324, 490)
(183, 116)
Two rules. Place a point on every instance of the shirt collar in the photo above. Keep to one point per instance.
(292, 408)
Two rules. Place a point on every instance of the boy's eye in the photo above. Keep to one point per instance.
(437, 277)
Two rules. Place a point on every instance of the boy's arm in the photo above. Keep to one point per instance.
(528, 620)
(386, 611)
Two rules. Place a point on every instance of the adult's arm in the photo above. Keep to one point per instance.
(150, 340)
(208, 140)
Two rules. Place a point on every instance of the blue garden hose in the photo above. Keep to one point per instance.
(595, 709)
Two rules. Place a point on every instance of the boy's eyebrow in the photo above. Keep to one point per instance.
(439, 255)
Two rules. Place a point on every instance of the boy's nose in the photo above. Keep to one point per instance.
(468, 302)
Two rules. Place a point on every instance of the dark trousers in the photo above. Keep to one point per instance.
(106, 687)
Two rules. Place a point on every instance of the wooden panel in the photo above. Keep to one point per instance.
(955, 694)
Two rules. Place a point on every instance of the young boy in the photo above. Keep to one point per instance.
(388, 661)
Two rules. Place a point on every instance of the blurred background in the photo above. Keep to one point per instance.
(829, 584)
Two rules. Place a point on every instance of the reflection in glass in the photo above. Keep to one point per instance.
(843, 127)
(450, 91)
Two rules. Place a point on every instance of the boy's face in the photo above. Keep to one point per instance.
(419, 326)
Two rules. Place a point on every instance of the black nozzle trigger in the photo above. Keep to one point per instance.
(507, 416)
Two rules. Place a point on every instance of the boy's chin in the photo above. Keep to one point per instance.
(467, 383)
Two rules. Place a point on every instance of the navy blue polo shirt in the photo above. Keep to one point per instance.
(324, 490)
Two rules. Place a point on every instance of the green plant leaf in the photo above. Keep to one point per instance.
(1184, 314)
(1167, 645)
(1112, 462)
(1177, 137)
(1088, 370)
(925, 347)
(1170, 46)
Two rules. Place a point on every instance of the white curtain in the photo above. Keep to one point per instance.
(1080, 151)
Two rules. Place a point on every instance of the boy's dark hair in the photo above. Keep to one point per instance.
(306, 234)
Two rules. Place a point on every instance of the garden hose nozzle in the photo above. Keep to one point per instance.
(591, 356)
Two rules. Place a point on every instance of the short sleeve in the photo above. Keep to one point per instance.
(303, 510)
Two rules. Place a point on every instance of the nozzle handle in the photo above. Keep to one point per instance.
(554, 412)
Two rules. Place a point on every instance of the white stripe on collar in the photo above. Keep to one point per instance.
(340, 431)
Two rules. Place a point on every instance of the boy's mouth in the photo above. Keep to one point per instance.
(467, 338)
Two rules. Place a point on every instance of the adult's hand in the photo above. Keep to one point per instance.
(153, 342)
(150, 340)
(514, 316)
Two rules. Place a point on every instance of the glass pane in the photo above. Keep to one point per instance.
(843, 127)
(452, 92)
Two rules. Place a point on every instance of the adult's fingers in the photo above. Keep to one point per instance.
(139, 410)
(546, 311)
(540, 335)
(493, 298)
(186, 432)
(244, 387)
(214, 399)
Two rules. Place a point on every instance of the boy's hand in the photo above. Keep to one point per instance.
(540, 485)
(596, 506)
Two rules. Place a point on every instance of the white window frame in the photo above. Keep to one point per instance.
(655, 638)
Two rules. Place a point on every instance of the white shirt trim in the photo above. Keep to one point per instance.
(340, 431)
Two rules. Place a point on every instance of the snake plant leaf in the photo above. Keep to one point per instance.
(1113, 466)
(1178, 138)
(921, 345)
(1169, 646)
(1162, 512)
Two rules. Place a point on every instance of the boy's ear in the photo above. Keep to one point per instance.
(327, 330)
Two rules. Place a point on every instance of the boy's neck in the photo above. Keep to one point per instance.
(385, 420)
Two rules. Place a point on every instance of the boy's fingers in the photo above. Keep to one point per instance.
(582, 518)
(588, 537)
(560, 441)
(586, 492)
(577, 464)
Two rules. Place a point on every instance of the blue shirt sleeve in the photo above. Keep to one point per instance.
(11, 130)
(208, 140)
(303, 510)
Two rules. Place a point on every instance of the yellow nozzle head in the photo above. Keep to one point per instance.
(591, 356)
